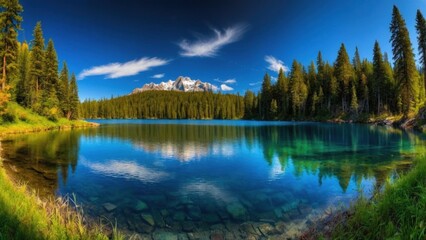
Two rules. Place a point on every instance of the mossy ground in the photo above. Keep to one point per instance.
(20, 120)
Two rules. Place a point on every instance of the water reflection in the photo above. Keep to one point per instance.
(125, 169)
(41, 160)
(191, 176)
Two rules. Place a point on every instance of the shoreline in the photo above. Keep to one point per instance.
(12, 129)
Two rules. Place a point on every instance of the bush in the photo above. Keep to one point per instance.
(8, 117)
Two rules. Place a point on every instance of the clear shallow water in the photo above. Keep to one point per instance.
(232, 179)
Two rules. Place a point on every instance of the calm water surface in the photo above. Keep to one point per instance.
(231, 179)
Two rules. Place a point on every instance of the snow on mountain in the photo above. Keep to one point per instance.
(183, 84)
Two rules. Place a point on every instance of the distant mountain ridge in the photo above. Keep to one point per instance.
(182, 84)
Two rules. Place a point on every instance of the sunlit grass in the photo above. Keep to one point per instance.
(20, 120)
(397, 213)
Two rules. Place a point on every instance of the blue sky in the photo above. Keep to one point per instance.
(115, 46)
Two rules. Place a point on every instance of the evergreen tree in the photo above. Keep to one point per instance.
(344, 74)
(354, 101)
(378, 71)
(50, 101)
(274, 108)
(73, 99)
(404, 64)
(266, 97)
(10, 23)
(313, 86)
(282, 93)
(298, 89)
(37, 64)
(249, 102)
(421, 38)
(23, 85)
(63, 88)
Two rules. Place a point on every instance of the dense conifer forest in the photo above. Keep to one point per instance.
(30, 71)
(347, 88)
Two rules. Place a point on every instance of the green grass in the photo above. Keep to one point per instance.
(397, 213)
(24, 216)
(21, 120)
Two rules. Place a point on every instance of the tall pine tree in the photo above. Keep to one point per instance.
(73, 99)
(344, 74)
(405, 68)
(266, 97)
(421, 39)
(10, 23)
(63, 90)
(37, 64)
(50, 101)
(298, 89)
(23, 84)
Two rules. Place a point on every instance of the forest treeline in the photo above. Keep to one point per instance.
(30, 72)
(166, 104)
(348, 88)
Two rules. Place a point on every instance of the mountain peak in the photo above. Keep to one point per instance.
(183, 84)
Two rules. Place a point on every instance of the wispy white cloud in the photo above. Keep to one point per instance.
(225, 87)
(254, 83)
(117, 70)
(229, 81)
(208, 47)
(160, 75)
(275, 64)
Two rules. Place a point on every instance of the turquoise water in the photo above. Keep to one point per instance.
(231, 179)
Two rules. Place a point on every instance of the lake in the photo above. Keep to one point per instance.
(218, 179)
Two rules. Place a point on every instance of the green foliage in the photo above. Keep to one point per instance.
(63, 90)
(344, 73)
(23, 84)
(73, 100)
(421, 40)
(405, 68)
(168, 105)
(298, 89)
(266, 97)
(37, 64)
(10, 23)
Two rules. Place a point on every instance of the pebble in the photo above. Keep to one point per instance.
(109, 207)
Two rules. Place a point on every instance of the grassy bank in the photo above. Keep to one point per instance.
(399, 212)
(20, 120)
(24, 216)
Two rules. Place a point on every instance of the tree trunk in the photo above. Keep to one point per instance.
(3, 80)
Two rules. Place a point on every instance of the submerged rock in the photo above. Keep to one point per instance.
(179, 216)
(158, 218)
(140, 206)
(109, 207)
(237, 210)
(278, 212)
(148, 218)
(266, 229)
(163, 235)
(188, 226)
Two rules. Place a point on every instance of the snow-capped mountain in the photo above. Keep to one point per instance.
(183, 84)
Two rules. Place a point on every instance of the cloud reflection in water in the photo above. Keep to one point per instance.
(126, 169)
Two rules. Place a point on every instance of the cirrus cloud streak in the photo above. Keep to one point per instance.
(275, 64)
(209, 47)
(117, 70)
